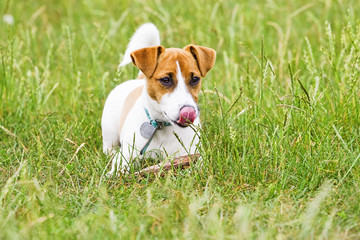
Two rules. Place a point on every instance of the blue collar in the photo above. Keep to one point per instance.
(156, 123)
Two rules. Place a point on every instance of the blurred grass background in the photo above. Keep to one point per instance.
(280, 114)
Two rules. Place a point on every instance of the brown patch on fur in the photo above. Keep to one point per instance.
(128, 104)
(146, 59)
(191, 65)
(205, 57)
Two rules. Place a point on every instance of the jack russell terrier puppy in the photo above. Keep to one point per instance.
(154, 111)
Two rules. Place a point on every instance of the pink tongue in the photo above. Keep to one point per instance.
(187, 115)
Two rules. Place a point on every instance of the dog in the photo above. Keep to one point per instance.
(152, 114)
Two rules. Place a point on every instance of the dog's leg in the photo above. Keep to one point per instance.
(110, 137)
(120, 164)
(116, 161)
(108, 149)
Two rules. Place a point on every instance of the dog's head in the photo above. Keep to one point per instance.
(174, 78)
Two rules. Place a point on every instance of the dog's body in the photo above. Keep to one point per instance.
(163, 99)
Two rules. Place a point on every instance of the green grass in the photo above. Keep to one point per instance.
(281, 126)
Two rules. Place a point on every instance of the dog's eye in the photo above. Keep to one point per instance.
(194, 81)
(166, 81)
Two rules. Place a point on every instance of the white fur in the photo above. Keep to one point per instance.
(147, 35)
(130, 140)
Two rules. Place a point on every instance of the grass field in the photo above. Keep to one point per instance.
(280, 115)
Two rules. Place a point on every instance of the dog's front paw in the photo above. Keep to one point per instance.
(111, 173)
(122, 171)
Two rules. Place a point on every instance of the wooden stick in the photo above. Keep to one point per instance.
(178, 163)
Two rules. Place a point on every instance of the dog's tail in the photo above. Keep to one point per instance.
(147, 35)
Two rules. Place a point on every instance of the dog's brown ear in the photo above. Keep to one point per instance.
(204, 56)
(146, 59)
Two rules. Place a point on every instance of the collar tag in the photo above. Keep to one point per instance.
(147, 130)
